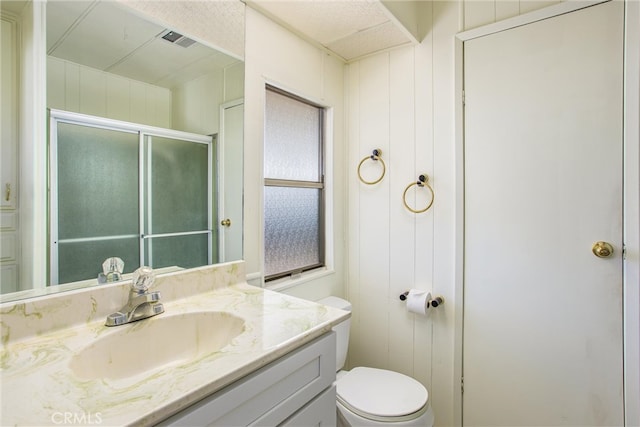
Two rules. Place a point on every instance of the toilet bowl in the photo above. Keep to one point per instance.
(375, 397)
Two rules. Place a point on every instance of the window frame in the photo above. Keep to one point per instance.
(321, 185)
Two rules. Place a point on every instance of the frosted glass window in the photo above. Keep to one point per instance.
(292, 229)
(292, 135)
(294, 187)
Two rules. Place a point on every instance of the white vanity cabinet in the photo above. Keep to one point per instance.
(295, 390)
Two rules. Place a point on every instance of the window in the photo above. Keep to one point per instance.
(294, 185)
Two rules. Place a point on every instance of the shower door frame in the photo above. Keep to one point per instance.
(60, 116)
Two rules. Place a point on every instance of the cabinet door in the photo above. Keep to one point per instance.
(9, 241)
(273, 394)
(9, 238)
(8, 278)
(8, 141)
(321, 411)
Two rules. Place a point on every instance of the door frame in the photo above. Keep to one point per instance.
(631, 196)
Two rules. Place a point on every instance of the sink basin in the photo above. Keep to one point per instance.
(152, 343)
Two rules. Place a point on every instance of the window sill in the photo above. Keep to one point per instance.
(288, 282)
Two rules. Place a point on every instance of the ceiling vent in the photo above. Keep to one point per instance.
(177, 38)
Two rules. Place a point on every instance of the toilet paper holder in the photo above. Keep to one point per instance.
(434, 302)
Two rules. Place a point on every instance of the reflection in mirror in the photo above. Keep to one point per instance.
(144, 193)
(108, 62)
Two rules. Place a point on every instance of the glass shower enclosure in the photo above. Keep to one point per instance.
(119, 189)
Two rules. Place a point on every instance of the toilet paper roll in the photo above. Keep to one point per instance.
(418, 301)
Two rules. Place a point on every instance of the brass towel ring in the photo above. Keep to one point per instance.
(423, 181)
(375, 156)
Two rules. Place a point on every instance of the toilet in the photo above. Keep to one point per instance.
(375, 397)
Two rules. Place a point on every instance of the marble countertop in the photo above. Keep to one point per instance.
(39, 389)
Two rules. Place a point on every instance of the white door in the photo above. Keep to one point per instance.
(543, 182)
(231, 181)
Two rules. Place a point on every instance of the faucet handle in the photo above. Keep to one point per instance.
(113, 265)
(143, 279)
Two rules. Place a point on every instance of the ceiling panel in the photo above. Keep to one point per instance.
(162, 63)
(107, 36)
(326, 21)
(103, 35)
(220, 22)
(374, 39)
(61, 17)
(349, 28)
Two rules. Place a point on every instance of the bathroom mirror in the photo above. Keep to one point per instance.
(129, 61)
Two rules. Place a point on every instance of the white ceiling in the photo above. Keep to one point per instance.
(349, 28)
(106, 36)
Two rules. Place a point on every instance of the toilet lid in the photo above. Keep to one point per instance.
(379, 393)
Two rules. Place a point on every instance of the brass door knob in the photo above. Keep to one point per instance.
(602, 249)
(226, 222)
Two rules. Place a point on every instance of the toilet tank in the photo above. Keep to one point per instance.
(341, 329)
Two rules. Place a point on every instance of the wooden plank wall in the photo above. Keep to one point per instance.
(80, 89)
(482, 12)
(402, 102)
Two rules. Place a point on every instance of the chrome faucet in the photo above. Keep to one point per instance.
(142, 303)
